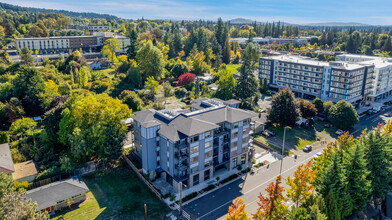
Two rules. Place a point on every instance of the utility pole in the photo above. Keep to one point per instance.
(145, 211)
(281, 162)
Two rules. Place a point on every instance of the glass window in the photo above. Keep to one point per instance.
(236, 125)
(207, 134)
(208, 144)
(206, 175)
(234, 135)
(207, 164)
(194, 149)
(208, 154)
(234, 164)
(245, 122)
(243, 159)
(194, 138)
(194, 169)
(196, 179)
(194, 159)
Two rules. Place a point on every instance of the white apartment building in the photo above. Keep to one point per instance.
(309, 78)
(382, 80)
(64, 44)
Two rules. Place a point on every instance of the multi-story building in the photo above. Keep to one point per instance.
(382, 77)
(189, 146)
(97, 28)
(269, 40)
(309, 78)
(64, 44)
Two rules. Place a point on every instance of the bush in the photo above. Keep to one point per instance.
(228, 179)
(172, 197)
(185, 79)
(209, 188)
(239, 167)
(180, 92)
(253, 160)
(22, 185)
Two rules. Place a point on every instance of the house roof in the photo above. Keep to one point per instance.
(6, 162)
(50, 194)
(227, 114)
(146, 118)
(231, 102)
(24, 169)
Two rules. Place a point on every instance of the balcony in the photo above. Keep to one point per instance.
(181, 166)
(181, 146)
(180, 156)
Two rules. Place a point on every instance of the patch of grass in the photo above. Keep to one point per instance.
(117, 194)
(299, 137)
(319, 126)
(233, 68)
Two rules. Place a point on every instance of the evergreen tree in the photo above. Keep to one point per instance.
(133, 45)
(358, 186)
(284, 108)
(177, 41)
(226, 52)
(377, 149)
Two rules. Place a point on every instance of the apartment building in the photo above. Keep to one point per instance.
(382, 77)
(309, 78)
(63, 44)
(190, 146)
(269, 40)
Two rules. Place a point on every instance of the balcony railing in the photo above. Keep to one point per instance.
(181, 156)
(181, 166)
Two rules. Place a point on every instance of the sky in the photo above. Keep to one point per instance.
(375, 12)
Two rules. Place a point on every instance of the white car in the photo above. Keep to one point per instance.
(339, 132)
(317, 155)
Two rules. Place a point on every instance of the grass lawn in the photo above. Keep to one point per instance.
(233, 68)
(319, 126)
(116, 194)
(265, 141)
(299, 137)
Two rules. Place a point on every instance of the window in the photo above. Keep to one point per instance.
(207, 134)
(234, 135)
(235, 125)
(245, 131)
(245, 140)
(194, 159)
(208, 144)
(234, 144)
(194, 149)
(206, 175)
(207, 164)
(194, 138)
(234, 163)
(245, 122)
(196, 179)
(243, 159)
(194, 169)
(208, 154)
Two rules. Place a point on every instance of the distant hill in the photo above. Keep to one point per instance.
(16, 8)
(249, 21)
(337, 24)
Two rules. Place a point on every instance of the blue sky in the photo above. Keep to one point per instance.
(377, 12)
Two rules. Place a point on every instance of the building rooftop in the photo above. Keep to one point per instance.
(6, 162)
(177, 124)
(24, 169)
(309, 61)
(51, 194)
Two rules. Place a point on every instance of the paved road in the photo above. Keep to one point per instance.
(371, 121)
(249, 187)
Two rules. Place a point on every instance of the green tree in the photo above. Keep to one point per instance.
(179, 68)
(152, 84)
(226, 52)
(199, 65)
(22, 126)
(319, 104)
(226, 83)
(26, 56)
(12, 203)
(327, 106)
(82, 78)
(132, 100)
(167, 89)
(343, 115)
(111, 45)
(150, 61)
(307, 109)
(85, 124)
(133, 45)
(357, 184)
(284, 108)
(4, 137)
(377, 148)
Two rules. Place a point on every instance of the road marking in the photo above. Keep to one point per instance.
(254, 188)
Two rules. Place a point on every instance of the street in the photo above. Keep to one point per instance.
(215, 205)
(371, 121)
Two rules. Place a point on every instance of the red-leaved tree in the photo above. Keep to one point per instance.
(185, 79)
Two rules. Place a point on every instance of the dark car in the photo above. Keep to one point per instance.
(307, 148)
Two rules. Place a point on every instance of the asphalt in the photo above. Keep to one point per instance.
(215, 205)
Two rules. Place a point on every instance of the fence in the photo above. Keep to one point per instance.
(47, 181)
(148, 184)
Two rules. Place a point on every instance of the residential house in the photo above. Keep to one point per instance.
(6, 162)
(25, 171)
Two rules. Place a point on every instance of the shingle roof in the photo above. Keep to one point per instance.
(6, 162)
(146, 118)
(24, 169)
(227, 114)
(231, 102)
(50, 194)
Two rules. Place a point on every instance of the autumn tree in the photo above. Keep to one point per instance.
(110, 46)
(152, 84)
(301, 186)
(150, 61)
(307, 109)
(237, 210)
(226, 83)
(186, 79)
(272, 206)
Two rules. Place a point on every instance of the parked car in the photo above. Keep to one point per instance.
(339, 132)
(271, 133)
(317, 155)
(307, 148)
(388, 114)
(266, 133)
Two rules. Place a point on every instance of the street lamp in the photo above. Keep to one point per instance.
(281, 162)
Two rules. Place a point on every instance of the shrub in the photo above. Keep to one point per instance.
(180, 92)
(185, 79)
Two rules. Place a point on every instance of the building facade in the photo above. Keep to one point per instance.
(309, 78)
(381, 82)
(64, 44)
(190, 146)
